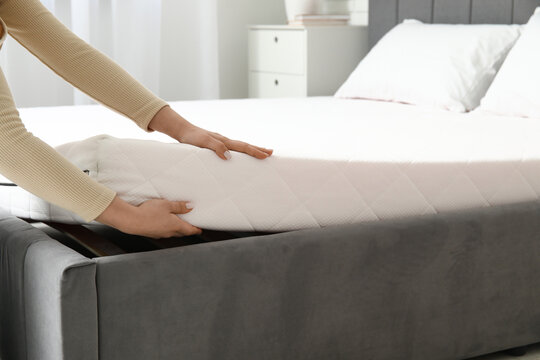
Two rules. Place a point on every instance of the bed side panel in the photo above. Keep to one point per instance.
(60, 303)
(47, 296)
(439, 287)
(15, 238)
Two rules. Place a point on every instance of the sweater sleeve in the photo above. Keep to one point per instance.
(88, 69)
(38, 168)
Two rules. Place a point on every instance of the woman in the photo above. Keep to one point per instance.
(36, 167)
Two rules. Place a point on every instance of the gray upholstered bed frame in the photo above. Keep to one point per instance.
(384, 14)
(448, 286)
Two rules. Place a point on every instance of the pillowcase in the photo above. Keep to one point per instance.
(441, 65)
(516, 88)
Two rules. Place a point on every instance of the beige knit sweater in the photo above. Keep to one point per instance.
(28, 161)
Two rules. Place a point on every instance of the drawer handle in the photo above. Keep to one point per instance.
(276, 82)
(276, 39)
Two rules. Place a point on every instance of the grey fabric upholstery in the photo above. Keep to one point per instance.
(385, 14)
(438, 287)
(48, 307)
(60, 303)
(15, 238)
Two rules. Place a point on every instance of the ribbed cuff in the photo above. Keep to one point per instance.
(148, 112)
(98, 206)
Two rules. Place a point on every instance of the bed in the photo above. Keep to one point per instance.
(417, 271)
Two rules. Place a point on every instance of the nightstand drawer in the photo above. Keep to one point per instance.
(303, 60)
(268, 85)
(280, 51)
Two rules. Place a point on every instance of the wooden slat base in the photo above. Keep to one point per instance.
(87, 238)
(93, 243)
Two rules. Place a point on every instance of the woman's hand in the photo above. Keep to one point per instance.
(153, 218)
(171, 123)
(220, 144)
(159, 218)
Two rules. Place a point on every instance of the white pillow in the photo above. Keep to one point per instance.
(516, 88)
(440, 65)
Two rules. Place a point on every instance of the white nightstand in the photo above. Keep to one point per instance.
(298, 61)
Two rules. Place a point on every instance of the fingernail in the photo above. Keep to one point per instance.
(228, 155)
(189, 206)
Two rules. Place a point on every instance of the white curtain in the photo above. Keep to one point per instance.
(170, 46)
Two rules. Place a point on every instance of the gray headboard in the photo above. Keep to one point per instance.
(384, 14)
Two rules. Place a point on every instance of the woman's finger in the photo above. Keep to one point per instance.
(256, 153)
(251, 150)
(186, 229)
(240, 145)
(265, 150)
(180, 207)
(219, 148)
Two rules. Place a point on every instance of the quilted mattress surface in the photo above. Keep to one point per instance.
(336, 161)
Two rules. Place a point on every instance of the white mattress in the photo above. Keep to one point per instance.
(336, 161)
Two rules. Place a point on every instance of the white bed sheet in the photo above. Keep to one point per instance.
(336, 161)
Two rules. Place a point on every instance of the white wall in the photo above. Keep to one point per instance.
(220, 47)
(112, 26)
(189, 50)
(358, 9)
(22, 69)
(234, 17)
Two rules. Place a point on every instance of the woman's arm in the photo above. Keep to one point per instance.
(91, 71)
(38, 168)
(38, 30)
